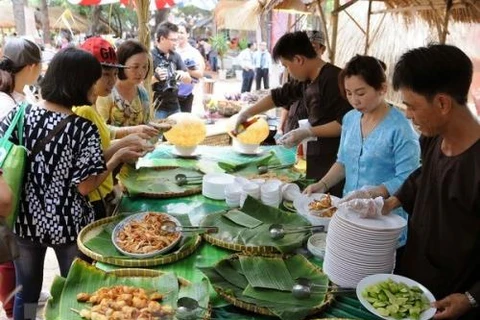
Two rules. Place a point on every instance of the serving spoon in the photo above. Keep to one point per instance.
(278, 231)
(187, 307)
(265, 169)
(302, 289)
(181, 179)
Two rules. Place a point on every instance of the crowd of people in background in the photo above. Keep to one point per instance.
(361, 145)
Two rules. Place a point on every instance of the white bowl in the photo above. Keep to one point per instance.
(185, 151)
(244, 147)
(317, 244)
(290, 191)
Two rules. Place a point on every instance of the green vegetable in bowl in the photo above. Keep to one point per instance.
(396, 299)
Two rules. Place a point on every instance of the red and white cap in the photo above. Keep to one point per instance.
(103, 51)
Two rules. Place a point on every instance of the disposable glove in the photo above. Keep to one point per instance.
(362, 193)
(319, 187)
(242, 117)
(295, 137)
(366, 208)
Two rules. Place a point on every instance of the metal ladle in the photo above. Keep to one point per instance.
(187, 307)
(277, 231)
(265, 169)
(173, 227)
(182, 179)
(302, 289)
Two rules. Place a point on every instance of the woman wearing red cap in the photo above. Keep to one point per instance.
(103, 198)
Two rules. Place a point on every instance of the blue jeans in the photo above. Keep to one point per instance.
(162, 114)
(29, 273)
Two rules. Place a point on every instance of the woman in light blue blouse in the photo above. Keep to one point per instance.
(378, 148)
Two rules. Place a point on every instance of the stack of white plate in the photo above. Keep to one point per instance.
(357, 247)
(214, 184)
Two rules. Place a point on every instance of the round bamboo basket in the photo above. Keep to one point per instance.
(329, 297)
(258, 250)
(93, 229)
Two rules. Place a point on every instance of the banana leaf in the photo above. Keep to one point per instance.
(279, 303)
(156, 181)
(269, 273)
(242, 219)
(83, 277)
(231, 166)
(102, 242)
(233, 233)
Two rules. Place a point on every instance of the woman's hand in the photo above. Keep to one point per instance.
(146, 129)
(319, 187)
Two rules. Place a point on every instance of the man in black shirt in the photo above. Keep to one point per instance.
(442, 197)
(317, 83)
(168, 68)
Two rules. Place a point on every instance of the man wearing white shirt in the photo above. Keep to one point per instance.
(195, 64)
(263, 61)
(246, 61)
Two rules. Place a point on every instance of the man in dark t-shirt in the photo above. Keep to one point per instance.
(317, 84)
(442, 197)
(168, 69)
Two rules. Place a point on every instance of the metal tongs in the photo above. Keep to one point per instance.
(171, 226)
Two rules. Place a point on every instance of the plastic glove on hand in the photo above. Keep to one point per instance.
(295, 137)
(366, 208)
(242, 117)
(362, 193)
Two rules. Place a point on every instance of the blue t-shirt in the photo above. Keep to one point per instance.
(387, 156)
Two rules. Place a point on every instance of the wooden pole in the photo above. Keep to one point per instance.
(367, 33)
(336, 5)
(443, 35)
(143, 15)
(324, 27)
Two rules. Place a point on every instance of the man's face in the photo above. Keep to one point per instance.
(182, 35)
(168, 43)
(426, 115)
(296, 67)
(104, 85)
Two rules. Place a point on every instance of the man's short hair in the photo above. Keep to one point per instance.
(164, 29)
(437, 68)
(292, 44)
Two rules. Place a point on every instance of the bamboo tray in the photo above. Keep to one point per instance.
(95, 228)
(259, 250)
(229, 297)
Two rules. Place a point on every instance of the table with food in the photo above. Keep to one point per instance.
(224, 232)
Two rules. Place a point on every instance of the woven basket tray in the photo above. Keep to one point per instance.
(260, 250)
(96, 227)
(132, 272)
(262, 310)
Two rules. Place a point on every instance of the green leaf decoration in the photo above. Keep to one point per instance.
(156, 181)
(242, 219)
(280, 303)
(233, 233)
(268, 273)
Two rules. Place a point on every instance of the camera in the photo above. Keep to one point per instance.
(170, 81)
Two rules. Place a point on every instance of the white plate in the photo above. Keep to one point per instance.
(388, 222)
(256, 153)
(195, 154)
(376, 278)
(301, 202)
(140, 216)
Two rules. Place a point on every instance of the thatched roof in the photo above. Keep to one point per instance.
(78, 23)
(243, 15)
